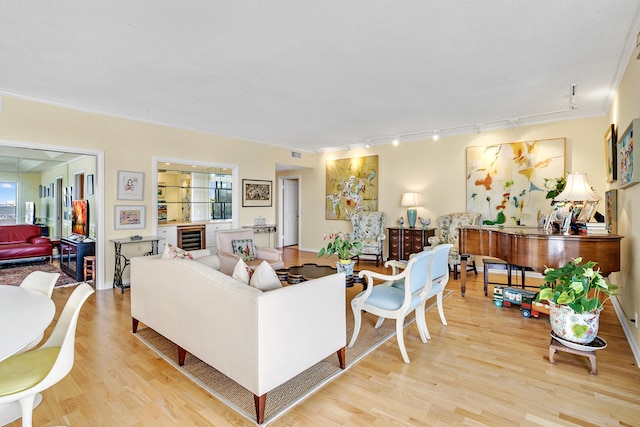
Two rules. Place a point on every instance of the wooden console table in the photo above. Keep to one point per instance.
(122, 261)
(406, 241)
(537, 249)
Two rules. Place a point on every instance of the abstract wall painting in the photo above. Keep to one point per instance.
(352, 186)
(505, 182)
(627, 175)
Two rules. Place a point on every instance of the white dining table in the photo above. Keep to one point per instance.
(24, 315)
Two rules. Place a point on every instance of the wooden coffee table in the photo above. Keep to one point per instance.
(300, 273)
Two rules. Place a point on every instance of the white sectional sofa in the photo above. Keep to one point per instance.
(258, 339)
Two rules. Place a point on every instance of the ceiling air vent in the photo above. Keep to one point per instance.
(296, 155)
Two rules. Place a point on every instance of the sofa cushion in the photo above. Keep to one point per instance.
(242, 272)
(211, 261)
(171, 251)
(244, 248)
(18, 233)
(265, 278)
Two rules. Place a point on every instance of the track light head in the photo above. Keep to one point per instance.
(572, 99)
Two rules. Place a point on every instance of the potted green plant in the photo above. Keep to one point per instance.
(342, 245)
(574, 294)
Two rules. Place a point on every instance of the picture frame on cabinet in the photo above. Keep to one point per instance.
(587, 211)
(129, 217)
(611, 153)
(130, 185)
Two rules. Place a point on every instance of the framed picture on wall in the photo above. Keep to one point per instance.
(611, 200)
(256, 193)
(130, 185)
(90, 184)
(611, 153)
(627, 174)
(129, 217)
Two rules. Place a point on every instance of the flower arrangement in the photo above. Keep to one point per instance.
(576, 285)
(341, 245)
(554, 186)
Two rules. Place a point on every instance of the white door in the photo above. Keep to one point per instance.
(290, 209)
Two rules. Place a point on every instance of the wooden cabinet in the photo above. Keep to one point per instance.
(72, 253)
(406, 241)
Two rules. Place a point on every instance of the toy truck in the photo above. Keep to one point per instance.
(507, 296)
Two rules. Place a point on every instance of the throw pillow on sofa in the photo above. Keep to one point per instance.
(242, 272)
(244, 248)
(265, 278)
(171, 251)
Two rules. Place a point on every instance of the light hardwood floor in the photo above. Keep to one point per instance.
(489, 366)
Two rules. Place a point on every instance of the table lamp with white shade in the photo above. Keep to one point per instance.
(411, 201)
(577, 189)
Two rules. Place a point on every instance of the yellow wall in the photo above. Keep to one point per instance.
(130, 145)
(625, 108)
(436, 169)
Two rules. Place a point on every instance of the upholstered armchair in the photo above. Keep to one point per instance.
(244, 243)
(368, 228)
(448, 226)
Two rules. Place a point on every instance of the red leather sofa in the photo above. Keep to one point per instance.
(23, 241)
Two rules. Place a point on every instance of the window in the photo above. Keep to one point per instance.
(8, 202)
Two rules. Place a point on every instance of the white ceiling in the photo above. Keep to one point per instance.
(311, 75)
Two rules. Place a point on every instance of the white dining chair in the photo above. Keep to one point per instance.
(25, 375)
(40, 281)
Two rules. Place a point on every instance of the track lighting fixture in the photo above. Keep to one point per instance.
(572, 101)
(510, 123)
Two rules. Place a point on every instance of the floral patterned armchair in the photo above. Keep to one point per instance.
(368, 228)
(448, 226)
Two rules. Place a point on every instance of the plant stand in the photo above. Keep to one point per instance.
(556, 345)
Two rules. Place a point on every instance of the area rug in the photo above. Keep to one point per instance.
(293, 391)
(13, 274)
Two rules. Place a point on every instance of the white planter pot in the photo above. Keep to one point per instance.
(563, 319)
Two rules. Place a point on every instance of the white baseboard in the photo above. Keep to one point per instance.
(626, 327)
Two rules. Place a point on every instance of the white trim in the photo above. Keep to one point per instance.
(626, 327)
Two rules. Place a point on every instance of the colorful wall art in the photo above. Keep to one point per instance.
(627, 175)
(352, 185)
(505, 182)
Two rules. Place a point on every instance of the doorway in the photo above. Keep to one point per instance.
(42, 158)
(290, 208)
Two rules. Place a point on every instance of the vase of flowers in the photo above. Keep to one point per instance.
(345, 247)
(554, 186)
(574, 294)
